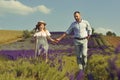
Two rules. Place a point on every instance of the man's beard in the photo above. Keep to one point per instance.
(77, 20)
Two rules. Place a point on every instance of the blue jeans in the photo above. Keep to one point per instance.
(81, 51)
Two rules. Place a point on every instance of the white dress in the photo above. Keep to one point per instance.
(41, 42)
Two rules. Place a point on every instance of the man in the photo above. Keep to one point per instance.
(82, 31)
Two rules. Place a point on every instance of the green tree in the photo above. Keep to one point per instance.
(93, 30)
(26, 34)
(109, 33)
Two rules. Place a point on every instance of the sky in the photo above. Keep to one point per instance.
(103, 15)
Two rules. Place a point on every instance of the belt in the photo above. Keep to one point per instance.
(80, 38)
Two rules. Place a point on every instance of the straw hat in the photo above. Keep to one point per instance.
(41, 22)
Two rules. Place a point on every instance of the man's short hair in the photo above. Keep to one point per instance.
(76, 12)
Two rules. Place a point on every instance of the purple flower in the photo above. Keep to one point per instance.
(70, 76)
(118, 73)
(15, 54)
(90, 76)
(111, 63)
(80, 75)
(117, 50)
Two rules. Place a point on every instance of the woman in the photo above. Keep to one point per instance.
(41, 36)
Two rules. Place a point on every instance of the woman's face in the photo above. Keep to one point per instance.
(41, 27)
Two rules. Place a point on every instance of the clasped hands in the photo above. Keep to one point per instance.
(56, 40)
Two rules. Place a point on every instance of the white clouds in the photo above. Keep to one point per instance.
(102, 30)
(15, 7)
(43, 9)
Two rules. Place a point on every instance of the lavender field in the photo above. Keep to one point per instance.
(17, 61)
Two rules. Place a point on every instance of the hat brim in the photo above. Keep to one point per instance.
(41, 23)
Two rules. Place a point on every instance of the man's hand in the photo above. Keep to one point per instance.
(57, 40)
(88, 36)
(54, 41)
(61, 37)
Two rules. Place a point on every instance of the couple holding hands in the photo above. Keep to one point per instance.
(82, 31)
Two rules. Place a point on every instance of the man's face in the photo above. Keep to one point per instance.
(77, 17)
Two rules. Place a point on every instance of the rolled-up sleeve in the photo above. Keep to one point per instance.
(70, 29)
(89, 28)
